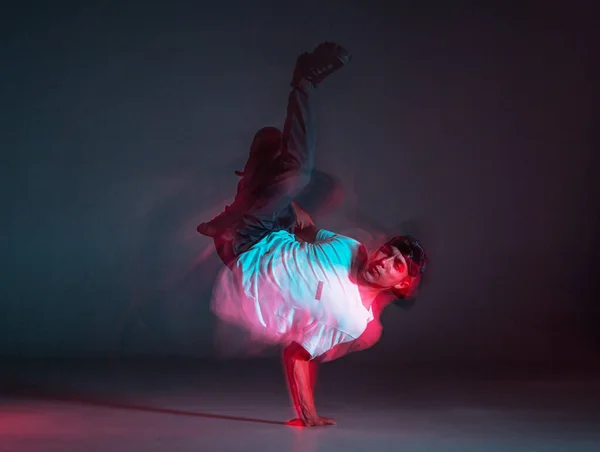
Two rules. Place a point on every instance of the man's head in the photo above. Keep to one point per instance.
(397, 266)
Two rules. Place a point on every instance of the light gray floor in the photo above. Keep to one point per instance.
(242, 408)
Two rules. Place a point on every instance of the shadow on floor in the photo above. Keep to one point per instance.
(41, 394)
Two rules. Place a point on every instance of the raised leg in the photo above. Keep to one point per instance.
(263, 201)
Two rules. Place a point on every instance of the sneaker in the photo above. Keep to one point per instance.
(314, 67)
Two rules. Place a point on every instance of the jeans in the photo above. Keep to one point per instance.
(266, 197)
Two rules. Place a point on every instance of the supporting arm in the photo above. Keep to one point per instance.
(301, 377)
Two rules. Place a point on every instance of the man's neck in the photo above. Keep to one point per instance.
(367, 293)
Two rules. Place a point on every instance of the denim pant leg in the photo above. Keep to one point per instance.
(272, 210)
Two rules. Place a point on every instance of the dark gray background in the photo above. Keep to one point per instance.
(122, 124)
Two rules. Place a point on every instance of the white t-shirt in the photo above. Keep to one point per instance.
(282, 290)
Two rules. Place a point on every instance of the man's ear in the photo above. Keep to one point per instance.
(403, 285)
(407, 286)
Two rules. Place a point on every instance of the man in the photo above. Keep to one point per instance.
(287, 282)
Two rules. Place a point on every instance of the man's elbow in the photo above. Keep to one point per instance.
(295, 352)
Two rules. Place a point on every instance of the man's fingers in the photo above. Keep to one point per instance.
(296, 423)
(328, 421)
(319, 422)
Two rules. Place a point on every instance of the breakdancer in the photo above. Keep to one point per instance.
(310, 290)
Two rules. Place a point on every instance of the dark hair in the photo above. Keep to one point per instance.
(416, 259)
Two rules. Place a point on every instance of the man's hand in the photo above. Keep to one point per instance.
(319, 421)
(303, 219)
(305, 229)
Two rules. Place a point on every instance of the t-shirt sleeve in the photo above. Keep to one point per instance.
(324, 235)
(320, 338)
(344, 245)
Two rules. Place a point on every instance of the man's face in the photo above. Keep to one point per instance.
(386, 268)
